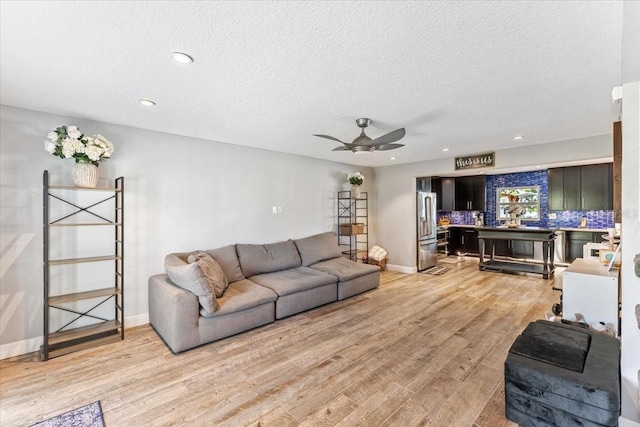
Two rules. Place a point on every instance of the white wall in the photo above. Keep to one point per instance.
(630, 283)
(181, 194)
(630, 248)
(395, 187)
(630, 369)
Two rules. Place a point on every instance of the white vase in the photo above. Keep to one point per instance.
(85, 175)
(355, 191)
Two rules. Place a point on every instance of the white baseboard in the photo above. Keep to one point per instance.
(19, 348)
(137, 320)
(402, 269)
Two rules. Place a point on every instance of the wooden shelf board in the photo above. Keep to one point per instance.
(87, 259)
(83, 332)
(62, 350)
(86, 224)
(354, 251)
(78, 296)
(72, 187)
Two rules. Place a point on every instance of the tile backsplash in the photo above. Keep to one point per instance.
(565, 219)
(595, 219)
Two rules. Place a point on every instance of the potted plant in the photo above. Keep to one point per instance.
(68, 142)
(356, 179)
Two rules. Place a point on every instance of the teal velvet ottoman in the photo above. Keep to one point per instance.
(561, 375)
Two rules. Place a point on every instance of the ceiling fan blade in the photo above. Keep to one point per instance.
(342, 148)
(330, 137)
(385, 147)
(390, 137)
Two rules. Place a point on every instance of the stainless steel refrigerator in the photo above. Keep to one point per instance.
(427, 230)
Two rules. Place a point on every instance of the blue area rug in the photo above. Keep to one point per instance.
(86, 416)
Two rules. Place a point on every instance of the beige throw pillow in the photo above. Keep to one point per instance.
(211, 271)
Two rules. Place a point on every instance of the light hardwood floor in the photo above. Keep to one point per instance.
(419, 350)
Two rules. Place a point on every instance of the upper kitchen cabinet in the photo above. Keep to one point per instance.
(588, 187)
(445, 192)
(564, 188)
(470, 193)
(597, 187)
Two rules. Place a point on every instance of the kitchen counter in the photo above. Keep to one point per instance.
(522, 228)
(587, 230)
(545, 235)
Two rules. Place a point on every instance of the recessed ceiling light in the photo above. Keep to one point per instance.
(537, 166)
(182, 58)
(392, 158)
(147, 102)
(517, 137)
(445, 149)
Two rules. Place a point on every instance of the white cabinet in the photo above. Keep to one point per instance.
(590, 289)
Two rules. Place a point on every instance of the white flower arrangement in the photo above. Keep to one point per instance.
(356, 178)
(68, 142)
(515, 209)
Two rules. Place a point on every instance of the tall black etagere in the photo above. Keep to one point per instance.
(103, 329)
(353, 224)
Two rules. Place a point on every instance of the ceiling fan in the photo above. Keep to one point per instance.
(365, 144)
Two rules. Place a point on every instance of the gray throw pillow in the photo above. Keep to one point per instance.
(189, 277)
(212, 272)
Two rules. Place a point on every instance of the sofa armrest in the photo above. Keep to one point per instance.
(174, 313)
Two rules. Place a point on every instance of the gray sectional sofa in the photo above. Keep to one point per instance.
(264, 283)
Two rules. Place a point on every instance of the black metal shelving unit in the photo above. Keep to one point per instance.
(353, 225)
(69, 337)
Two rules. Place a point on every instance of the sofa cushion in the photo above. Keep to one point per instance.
(345, 269)
(294, 280)
(318, 247)
(258, 259)
(228, 260)
(241, 295)
(211, 271)
(189, 277)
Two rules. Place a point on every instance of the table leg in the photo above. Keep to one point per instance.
(545, 259)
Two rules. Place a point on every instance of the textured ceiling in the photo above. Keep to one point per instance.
(467, 76)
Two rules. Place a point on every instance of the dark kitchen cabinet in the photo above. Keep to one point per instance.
(470, 240)
(588, 187)
(463, 241)
(564, 188)
(596, 186)
(555, 182)
(511, 248)
(521, 249)
(445, 193)
(470, 193)
(455, 240)
(575, 240)
(499, 247)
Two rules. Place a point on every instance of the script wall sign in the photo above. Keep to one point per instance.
(476, 161)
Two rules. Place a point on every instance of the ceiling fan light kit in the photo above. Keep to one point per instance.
(364, 144)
